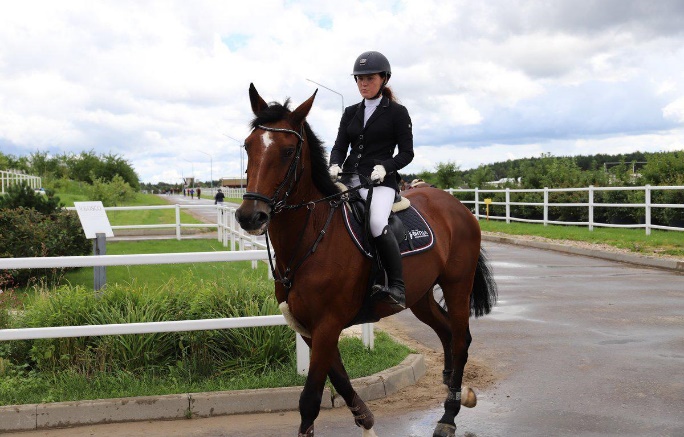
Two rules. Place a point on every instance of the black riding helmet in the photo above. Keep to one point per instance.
(372, 62)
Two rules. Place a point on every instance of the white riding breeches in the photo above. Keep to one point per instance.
(380, 207)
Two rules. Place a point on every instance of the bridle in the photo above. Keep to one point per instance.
(277, 204)
(291, 177)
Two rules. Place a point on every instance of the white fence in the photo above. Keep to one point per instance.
(150, 327)
(13, 177)
(480, 195)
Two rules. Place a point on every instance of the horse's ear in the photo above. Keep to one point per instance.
(258, 104)
(299, 114)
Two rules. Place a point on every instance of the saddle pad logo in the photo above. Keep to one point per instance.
(419, 236)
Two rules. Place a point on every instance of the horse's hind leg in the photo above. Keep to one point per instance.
(339, 378)
(457, 298)
(428, 311)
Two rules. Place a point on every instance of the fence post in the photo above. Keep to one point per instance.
(219, 223)
(477, 204)
(367, 335)
(508, 205)
(178, 223)
(99, 272)
(647, 200)
(591, 207)
(546, 206)
(232, 230)
(302, 355)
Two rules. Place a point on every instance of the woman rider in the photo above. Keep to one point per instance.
(373, 129)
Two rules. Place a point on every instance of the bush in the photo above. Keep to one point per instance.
(29, 233)
(21, 195)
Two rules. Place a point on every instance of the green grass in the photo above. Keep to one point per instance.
(20, 388)
(155, 276)
(634, 240)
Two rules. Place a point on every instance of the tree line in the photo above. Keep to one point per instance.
(87, 167)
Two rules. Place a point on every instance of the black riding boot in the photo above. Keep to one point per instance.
(390, 256)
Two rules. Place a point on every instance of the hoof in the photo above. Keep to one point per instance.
(309, 432)
(444, 430)
(468, 397)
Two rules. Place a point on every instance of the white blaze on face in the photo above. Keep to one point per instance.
(266, 139)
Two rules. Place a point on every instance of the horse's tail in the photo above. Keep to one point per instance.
(484, 294)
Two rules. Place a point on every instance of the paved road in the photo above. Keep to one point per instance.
(579, 346)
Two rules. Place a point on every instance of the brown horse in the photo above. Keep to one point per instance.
(321, 278)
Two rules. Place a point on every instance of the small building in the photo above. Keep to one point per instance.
(233, 182)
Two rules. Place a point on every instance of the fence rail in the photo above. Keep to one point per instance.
(13, 177)
(478, 203)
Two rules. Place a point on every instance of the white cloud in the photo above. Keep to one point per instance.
(675, 110)
(158, 82)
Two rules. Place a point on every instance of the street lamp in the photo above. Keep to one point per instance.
(242, 165)
(330, 89)
(211, 169)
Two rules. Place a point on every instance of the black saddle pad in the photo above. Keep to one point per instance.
(417, 238)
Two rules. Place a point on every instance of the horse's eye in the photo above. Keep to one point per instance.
(288, 152)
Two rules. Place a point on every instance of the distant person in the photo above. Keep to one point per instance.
(192, 193)
(218, 199)
(184, 192)
(199, 191)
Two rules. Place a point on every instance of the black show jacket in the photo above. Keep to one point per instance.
(388, 127)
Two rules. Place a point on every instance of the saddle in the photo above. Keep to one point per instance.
(412, 231)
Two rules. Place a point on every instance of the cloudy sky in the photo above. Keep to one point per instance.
(164, 84)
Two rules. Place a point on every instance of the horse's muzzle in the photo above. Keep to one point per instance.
(253, 216)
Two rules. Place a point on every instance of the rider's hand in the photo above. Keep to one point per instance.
(334, 171)
(378, 173)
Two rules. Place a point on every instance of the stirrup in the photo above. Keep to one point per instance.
(383, 294)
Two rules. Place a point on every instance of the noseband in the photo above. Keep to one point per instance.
(290, 178)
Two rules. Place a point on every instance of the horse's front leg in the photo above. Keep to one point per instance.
(323, 345)
(339, 378)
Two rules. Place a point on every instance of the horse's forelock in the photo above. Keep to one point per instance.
(274, 112)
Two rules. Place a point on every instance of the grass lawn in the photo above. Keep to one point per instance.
(634, 240)
(155, 276)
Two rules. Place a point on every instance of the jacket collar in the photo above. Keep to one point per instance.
(381, 109)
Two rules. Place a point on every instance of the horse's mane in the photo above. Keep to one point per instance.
(319, 158)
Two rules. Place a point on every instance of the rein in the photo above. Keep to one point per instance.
(291, 178)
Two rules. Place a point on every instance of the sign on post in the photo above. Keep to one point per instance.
(93, 219)
(488, 202)
(96, 225)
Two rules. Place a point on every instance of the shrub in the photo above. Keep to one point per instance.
(29, 233)
(21, 195)
(200, 353)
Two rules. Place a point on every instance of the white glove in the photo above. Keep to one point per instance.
(378, 173)
(334, 171)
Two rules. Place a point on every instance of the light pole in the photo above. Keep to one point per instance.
(330, 89)
(242, 171)
(211, 169)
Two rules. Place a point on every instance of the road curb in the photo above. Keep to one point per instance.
(196, 405)
(642, 260)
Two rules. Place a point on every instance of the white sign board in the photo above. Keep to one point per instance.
(93, 219)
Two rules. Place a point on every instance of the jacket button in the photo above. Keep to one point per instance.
(356, 165)
(359, 156)
(361, 147)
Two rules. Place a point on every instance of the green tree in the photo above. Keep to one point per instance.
(111, 193)
(448, 175)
